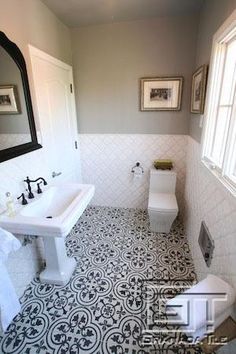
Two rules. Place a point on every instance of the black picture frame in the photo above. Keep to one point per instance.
(15, 53)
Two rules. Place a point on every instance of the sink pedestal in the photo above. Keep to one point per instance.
(59, 267)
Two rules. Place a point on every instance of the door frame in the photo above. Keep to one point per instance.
(35, 52)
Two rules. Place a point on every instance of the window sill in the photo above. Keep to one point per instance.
(223, 182)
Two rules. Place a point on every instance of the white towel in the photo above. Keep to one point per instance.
(8, 243)
(9, 303)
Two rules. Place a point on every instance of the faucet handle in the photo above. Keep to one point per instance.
(56, 174)
(39, 190)
(24, 200)
(44, 182)
(30, 194)
(27, 180)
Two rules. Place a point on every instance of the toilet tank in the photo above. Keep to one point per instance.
(162, 181)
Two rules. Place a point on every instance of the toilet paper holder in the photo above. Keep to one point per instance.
(137, 168)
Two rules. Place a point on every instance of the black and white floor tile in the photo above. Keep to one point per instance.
(111, 304)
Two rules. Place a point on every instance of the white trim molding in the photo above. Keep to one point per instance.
(220, 164)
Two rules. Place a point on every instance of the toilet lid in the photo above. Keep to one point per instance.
(162, 202)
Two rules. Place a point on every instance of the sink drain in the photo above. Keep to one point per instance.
(48, 217)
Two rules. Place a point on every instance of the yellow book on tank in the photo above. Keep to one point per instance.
(165, 164)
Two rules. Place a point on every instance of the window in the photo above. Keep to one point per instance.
(219, 143)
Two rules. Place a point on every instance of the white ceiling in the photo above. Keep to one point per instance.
(77, 13)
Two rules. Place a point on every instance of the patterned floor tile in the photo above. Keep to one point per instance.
(111, 303)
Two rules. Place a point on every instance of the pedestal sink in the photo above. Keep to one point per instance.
(52, 216)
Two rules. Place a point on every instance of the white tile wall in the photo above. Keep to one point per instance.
(107, 160)
(23, 264)
(10, 140)
(207, 199)
(14, 171)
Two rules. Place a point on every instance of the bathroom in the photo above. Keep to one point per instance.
(104, 53)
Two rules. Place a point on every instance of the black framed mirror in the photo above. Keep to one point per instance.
(17, 126)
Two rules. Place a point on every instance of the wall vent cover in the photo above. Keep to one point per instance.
(206, 244)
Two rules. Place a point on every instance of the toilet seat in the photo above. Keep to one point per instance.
(162, 202)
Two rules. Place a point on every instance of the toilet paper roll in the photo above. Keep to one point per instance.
(201, 304)
(137, 175)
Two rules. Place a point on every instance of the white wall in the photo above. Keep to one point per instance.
(207, 199)
(25, 263)
(107, 160)
(11, 140)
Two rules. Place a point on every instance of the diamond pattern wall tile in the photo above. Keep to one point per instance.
(107, 160)
(23, 264)
(206, 199)
(10, 140)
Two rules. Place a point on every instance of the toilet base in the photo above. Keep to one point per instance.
(160, 222)
(161, 228)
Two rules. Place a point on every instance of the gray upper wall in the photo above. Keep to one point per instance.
(109, 60)
(214, 13)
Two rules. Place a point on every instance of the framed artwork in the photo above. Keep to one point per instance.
(161, 93)
(198, 95)
(9, 103)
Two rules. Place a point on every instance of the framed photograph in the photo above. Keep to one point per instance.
(161, 93)
(199, 82)
(9, 103)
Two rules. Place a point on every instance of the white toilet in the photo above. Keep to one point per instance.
(162, 203)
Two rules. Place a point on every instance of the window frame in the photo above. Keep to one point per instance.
(217, 65)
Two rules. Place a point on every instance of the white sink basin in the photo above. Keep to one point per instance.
(52, 216)
(54, 213)
(54, 202)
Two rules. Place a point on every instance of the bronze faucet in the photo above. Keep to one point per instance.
(28, 181)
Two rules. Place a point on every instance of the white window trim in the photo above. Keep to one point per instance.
(225, 30)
